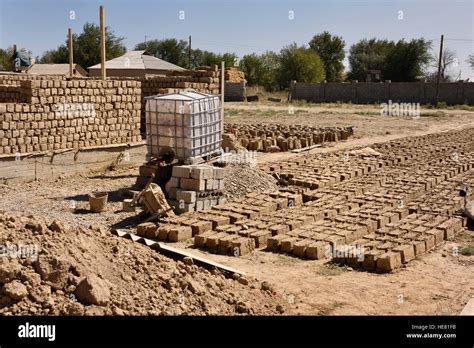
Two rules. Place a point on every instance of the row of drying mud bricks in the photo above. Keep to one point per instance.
(297, 141)
(180, 228)
(71, 114)
(398, 243)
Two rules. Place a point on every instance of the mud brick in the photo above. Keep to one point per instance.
(389, 261)
(407, 252)
(347, 235)
(200, 239)
(186, 196)
(181, 171)
(279, 229)
(419, 229)
(152, 232)
(437, 233)
(202, 172)
(396, 233)
(261, 238)
(234, 217)
(448, 229)
(163, 231)
(333, 239)
(370, 259)
(299, 248)
(180, 233)
(429, 240)
(410, 235)
(382, 221)
(234, 230)
(213, 241)
(217, 220)
(419, 246)
(193, 184)
(141, 228)
(287, 244)
(246, 232)
(225, 243)
(294, 200)
(201, 227)
(316, 250)
(294, 224)
(242, 246)
(355, 257)
(274, 243)
(223, 228)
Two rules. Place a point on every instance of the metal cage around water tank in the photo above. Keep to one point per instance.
(190, 124)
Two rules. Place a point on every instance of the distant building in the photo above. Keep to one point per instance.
(373, 76)
(135, 64)
(56, 69)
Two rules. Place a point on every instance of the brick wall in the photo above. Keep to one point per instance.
(372, 92)
(70, 114)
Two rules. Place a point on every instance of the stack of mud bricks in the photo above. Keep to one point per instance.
(195, 187)
(70, 114)
(202, 79)
(400, 242)
(278, 137)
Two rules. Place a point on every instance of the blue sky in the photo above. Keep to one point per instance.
(243, 26)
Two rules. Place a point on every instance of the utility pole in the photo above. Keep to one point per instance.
(439, 68)
(102, 44)
(222, 93)
(189, 49)
(71, 70)
(146, 46)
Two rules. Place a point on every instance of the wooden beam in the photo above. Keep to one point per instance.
(177, 252)
(102, 44)
(71, 70)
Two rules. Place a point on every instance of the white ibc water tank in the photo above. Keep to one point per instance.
(190, 124)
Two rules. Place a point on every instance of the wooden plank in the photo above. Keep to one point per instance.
(162, 247)
(468, 308)
(307, 148)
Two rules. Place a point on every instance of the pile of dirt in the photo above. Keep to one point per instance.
(48, 268)
(241, 179)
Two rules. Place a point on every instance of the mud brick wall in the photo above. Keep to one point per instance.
(371, 92)
(71, 114)
(15, 93)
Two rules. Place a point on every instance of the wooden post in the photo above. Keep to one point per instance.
(102, 44)
(222, 90)
(189, 49)
(439, 69)
(71, 70)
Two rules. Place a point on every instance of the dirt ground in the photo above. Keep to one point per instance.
(439, 283)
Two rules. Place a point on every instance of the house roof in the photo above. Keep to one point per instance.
(54, 69)
(140, 60)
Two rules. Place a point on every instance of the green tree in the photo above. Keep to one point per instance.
(407, 61)
(6, 59)
(171, 50)
(86, 47)
(260, 70)
(300, 64)
(470, 60)
(367, 55)
(331, 50)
